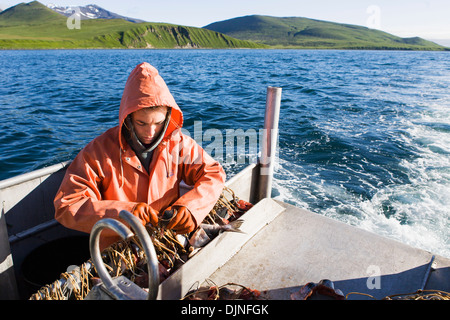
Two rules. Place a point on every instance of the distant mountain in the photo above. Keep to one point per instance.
(27, 14)
(91, 11)
(34, 26)
(297, 32)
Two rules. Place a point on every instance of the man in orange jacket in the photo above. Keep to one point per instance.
(138, 166)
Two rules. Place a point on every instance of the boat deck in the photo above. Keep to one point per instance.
(299, 246)
(282, 249)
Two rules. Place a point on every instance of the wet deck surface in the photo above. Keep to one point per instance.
(300, 247)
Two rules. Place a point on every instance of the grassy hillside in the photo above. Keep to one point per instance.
(28, 14)
(34, 26)
(295, 32)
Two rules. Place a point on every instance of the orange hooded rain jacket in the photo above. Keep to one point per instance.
(107, 176)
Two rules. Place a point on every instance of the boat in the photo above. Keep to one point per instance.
(281, 249)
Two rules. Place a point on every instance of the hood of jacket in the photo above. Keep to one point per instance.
(146, 88)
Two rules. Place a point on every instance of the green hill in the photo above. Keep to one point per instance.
(296, 32)
(34, 26)
(28, 13)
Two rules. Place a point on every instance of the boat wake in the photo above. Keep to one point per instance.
(413, 210)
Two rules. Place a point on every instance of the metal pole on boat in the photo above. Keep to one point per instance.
(268, 142)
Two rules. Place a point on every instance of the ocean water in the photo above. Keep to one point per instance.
(364, 136)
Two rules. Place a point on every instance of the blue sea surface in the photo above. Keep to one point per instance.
(364, 135)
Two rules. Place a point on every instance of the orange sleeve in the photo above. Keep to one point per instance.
(79, 203)
(206, 175)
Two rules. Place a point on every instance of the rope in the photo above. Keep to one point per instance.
(418, 295)
(224, 292)
(127, 257)
(76, 282)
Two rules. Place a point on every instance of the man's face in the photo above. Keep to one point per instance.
(148, 123)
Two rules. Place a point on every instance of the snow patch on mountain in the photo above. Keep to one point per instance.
(90, 11)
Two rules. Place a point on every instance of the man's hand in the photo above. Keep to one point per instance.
(183, 221)
(145, 213)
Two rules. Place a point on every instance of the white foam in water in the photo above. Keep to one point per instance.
(416, 213)
(419, 219)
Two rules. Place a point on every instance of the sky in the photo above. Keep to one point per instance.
(429, 19)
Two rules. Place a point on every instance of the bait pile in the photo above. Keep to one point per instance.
(229, 291)
(127, 258)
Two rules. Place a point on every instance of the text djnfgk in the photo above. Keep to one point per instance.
(245, 309)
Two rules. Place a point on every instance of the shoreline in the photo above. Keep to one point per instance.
(272, 48)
